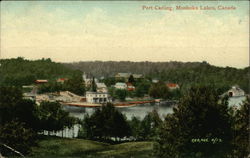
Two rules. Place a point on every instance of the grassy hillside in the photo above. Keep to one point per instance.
(63, 147)
(18, 71)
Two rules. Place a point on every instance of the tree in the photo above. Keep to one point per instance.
(131, 79)
(50, 87)
(241, 130)
(109, 81)
(146, 129)
(142, 88)
(75, 85)
(150, 125)
(199, 127)
(105, 123)
(93, 85)
(159, 90)
(135, 128)
(175, 94)
(15, 135)
(53, 118)
(13, 106)
(120, 127)
(9, 99)
(18, 121)
(19, 72)
(120, 94)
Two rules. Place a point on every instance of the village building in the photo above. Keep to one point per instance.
(41, 81)
(155, 80)
(130, 87)
(172, 86)
(235, 91)
(121, 76)
(61, 80)
(125, 76)
(30, 96)
(101, 87)
(97, 97)
(87, 80)
(137, 76)
(120, 85)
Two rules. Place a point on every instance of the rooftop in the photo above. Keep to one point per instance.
(120, 84)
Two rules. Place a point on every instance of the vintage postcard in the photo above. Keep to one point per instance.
(124, 79)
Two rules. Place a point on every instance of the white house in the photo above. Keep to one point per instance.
(235, 91)
(120, 85)
(155, 80)
(137, 76)
(101, 87)
(97, 97)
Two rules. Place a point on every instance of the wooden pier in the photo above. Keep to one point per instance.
(119, 104)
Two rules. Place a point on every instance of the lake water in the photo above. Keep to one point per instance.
(139, 111)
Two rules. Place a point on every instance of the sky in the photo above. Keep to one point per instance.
(123, 31)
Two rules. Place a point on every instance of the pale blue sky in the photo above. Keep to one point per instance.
(106, 30)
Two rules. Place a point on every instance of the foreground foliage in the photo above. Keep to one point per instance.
(105, 123)
(21, 119)
(241, 128)
(17, 136)
(200, 127)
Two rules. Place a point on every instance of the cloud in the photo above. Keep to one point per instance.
(101, 35)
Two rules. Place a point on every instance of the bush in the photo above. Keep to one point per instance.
(105, 123)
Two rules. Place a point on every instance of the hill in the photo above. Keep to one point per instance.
(64, 147)
(18, 71)
(183, 73)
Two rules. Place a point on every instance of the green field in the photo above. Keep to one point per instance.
(63, 147)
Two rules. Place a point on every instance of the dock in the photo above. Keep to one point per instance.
(119, 104)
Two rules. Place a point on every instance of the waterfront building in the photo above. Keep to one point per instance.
(41, 81)
(120, 85)
(97, 97)
(235, 91)
(172, 86)
(101, 87)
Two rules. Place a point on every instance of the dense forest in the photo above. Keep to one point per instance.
(183, 73)
(19, 71)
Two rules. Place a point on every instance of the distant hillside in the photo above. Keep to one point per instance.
(23, 72)
(17, 72)
(183, 73)
(110, 68)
